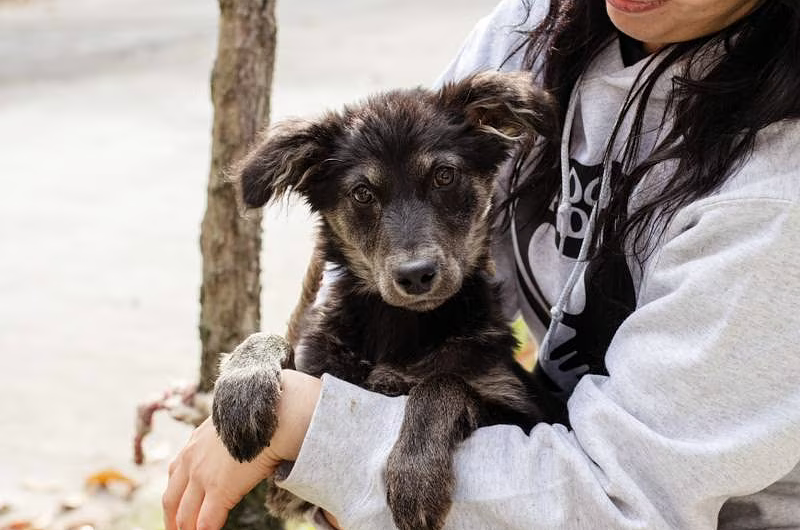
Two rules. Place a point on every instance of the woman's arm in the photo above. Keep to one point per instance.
(701, 403)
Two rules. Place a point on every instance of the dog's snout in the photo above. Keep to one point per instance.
(415, 277)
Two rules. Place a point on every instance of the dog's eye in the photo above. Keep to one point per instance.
(443, 176)
(362, 194)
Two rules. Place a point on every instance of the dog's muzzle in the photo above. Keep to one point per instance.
(419, 281)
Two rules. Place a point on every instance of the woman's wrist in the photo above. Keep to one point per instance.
(299, 395)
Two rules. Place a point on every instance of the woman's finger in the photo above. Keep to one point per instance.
(189, 508)
(178, 479)
(212, 514)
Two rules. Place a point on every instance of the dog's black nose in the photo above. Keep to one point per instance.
(415, 277)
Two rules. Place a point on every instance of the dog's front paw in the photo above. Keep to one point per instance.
(246, 395)
(419, 488)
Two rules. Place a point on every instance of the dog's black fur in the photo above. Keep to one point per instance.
(403, 186)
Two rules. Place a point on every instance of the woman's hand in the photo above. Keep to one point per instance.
(205, 482)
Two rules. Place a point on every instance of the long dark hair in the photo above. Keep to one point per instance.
(714, 118)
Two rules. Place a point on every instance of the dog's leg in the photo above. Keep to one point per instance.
(441, 412)
(284, 504)
(246, 394)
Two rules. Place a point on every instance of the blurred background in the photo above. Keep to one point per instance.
(105, 120)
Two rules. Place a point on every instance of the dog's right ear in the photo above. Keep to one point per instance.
(286, 160)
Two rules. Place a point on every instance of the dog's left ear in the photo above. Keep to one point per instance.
(508, 103)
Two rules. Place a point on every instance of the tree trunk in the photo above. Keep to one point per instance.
(230, 243)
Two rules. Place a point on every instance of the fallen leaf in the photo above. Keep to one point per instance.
(113, 481)
(20, 524)
(105, 477)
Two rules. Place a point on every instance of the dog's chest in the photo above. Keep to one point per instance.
(356, 336)
(388, 335)
(381, 334)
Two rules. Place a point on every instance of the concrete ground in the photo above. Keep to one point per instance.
(104, 153)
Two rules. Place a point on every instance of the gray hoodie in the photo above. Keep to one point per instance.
(685, 413)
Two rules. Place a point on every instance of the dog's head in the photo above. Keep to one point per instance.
(403, 182)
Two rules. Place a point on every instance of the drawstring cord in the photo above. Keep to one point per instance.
(564, 212)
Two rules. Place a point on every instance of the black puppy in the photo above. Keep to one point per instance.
(403, 186)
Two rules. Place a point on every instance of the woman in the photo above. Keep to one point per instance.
(654, 254)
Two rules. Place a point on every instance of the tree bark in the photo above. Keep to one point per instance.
(230, 242)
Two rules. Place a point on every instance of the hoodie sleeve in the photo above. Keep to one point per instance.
(701, 402)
